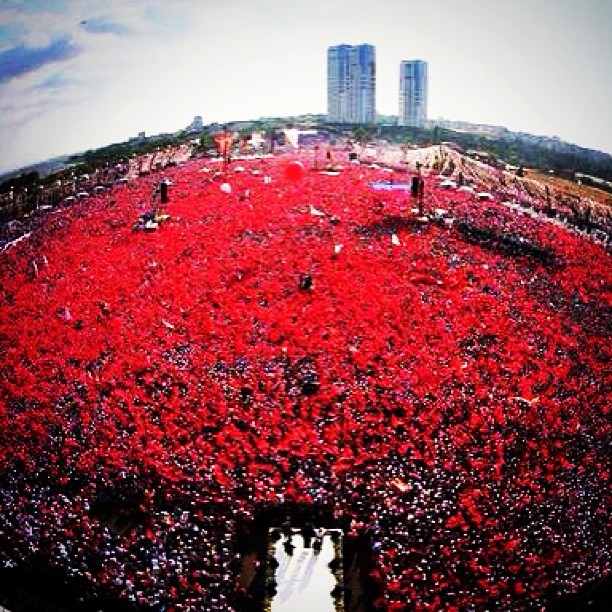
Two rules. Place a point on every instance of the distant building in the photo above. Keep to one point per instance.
(413, 93)
(493, 131)
(140, 138)
(258, 140)
(196, 125)
(351, 84)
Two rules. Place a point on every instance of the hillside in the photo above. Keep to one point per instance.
(516, 148)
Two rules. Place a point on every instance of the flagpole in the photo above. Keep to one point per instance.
(225, 150)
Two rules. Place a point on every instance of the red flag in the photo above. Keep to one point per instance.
(224, 143)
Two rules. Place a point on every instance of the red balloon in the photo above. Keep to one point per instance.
(295, 171)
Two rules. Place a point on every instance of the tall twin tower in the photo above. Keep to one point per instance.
(351, 87)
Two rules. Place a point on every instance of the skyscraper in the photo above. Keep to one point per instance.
(413, 93)
(351, 84)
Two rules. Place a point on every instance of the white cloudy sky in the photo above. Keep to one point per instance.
(76, 74)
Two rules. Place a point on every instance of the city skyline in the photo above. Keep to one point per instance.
(79, 74)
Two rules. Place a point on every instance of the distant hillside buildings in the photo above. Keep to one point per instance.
(351, 87)
(196, 125)
(140, 138)
(482, 129)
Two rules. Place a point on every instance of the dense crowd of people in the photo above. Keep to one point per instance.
(445, 393)
(561, 201)
(23, 210)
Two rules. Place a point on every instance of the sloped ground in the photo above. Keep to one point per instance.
(448, 396)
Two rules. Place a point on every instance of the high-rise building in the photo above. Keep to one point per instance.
(413, 93)
(351, 84)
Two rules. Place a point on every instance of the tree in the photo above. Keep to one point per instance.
(435, 136)
(207, 142)
(363, 133)
(18, 183)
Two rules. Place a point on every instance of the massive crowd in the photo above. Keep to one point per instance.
(445, 393)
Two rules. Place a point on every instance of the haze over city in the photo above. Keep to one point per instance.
(83, 73)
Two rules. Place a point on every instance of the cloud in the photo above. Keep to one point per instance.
(102, 26)
(54, 81)
(21, 60)
(38, 6)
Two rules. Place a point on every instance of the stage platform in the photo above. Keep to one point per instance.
(303, 576)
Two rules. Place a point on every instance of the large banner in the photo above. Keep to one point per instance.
(224, 141)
